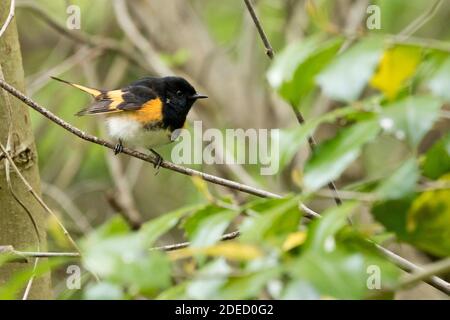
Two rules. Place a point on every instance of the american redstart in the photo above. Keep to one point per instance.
(145, 113)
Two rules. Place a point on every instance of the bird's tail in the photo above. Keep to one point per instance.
(91, 91)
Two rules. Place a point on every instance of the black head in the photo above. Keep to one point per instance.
(180, 94)
(177, 95)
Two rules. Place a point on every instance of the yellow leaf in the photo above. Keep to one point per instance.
(57, 233)
(293, 240)
(202, 187)
(297, 177)
(397, 65)
(229, 250)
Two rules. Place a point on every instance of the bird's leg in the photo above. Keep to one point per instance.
(159, 160)
(118, 148)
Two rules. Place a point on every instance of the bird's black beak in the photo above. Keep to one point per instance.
(198, 96)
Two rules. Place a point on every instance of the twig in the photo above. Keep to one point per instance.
(9, 17)
(132, 32)
(399, 261)
(262, 34)
(68, 206)
(433, 269)
(420, 21)
(92, 41)
(298, 114)
(22, 255)
(408, 266)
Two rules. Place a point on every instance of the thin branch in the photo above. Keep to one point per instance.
(421, 20)
(8, 18)
(262, 34)
(408, 266)
(441, 267)
(20, 256)
(80, 37)
(298, 114)
(399, 261)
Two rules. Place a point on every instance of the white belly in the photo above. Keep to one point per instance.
(132, 132)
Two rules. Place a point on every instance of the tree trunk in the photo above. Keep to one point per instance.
(16, 227)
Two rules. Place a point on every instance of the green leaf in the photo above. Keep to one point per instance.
(440, 81)
(300, 290)
(209, 280)
(423, 222)
(393, 215)
(345, 78)
(401, 183)
(322, 231)
(428, 222)
(155, 228)
(174, 292)
(437, 158)
(291, 140)
(332, 157)
(295, 68)
(124, 259)
(411, 117)
(103, 291)
(281, 217)
(247, 286)
(337, 274)
(206, 226)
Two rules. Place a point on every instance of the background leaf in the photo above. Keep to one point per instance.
(437, 159)
(295, 68)
(401, 183)
(440, 81)
(331, 157)
(345, 78)
(412, 117)
(206, 226)
(397, 65)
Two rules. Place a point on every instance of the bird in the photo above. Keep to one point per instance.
(146, 113)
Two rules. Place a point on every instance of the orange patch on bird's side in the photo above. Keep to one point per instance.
(150, 111)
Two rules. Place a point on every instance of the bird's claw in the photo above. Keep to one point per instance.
(159, 161)
(118, 148)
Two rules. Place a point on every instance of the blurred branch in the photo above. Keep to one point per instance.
(298, 114)
(38, 81)
(68, 206)
(124, 205)
(441, 267)
(421, 20)
(133, 33)
(84, 38)
(9, 17)
(21, 256)
(408, 266)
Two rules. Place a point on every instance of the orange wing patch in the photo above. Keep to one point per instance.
(150, 111)
(116, 98)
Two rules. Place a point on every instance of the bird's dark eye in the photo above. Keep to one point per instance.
(179, 93)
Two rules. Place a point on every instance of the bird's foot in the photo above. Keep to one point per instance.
(159, 160)
(118, 148)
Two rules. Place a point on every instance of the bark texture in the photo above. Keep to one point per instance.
(16, 227)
